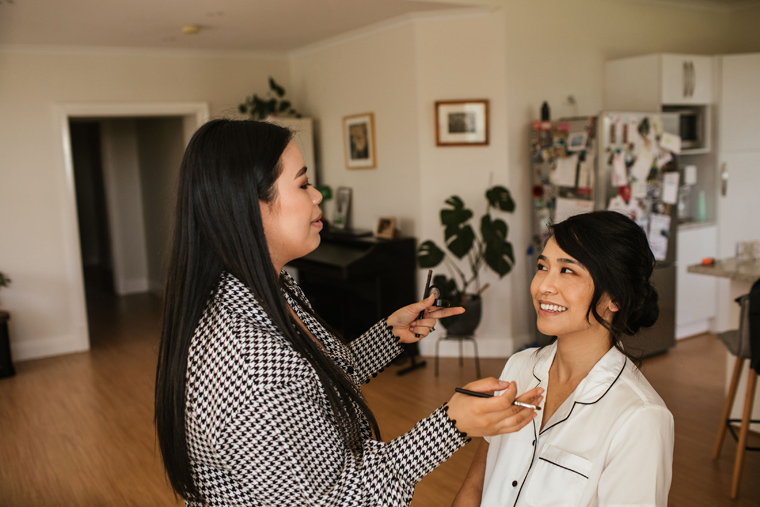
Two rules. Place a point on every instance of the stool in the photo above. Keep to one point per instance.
(460, 338)
(738, 343)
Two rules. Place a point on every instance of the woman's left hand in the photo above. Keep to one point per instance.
(409, 328)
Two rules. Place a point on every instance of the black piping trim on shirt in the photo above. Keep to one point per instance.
(620, 373)
(558, 465)
(535, 437)
(532, 459)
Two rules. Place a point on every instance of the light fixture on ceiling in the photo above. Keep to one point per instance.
(190, 29)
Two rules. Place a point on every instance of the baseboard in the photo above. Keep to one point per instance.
(47, 347)
(132, 286)
(691, 329)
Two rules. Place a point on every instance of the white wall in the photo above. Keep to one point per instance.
(517, 57)
(373, 73)
(123, 188)
(160, 148)
(36, 203)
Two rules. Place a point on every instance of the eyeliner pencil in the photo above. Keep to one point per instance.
(486, 395)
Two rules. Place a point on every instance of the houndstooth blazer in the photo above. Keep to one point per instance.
(260, 431)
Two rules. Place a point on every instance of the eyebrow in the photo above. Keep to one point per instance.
(562, 260)
(301, 172)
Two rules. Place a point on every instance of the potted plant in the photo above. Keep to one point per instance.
(273, 104)
(489, 249)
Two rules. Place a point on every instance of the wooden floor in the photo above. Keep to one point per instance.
(77, 430)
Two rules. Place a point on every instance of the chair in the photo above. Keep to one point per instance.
(460, 338)
(738, 343)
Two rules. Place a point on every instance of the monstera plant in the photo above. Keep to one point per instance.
(488, 249)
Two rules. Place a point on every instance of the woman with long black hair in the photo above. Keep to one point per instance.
(257, 401)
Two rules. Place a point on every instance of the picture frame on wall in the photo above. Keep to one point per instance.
(461, 122)
(359, 141)
(342, 213)
(386, 227)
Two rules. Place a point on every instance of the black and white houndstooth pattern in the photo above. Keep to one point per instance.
(260, 430)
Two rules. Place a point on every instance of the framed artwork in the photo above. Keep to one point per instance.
(342, 208)
(386, 227)
(359, 141)
(461, 122)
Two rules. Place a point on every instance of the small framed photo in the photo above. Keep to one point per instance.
(386, 227)
(461, 122)
(576, 142)
(359, 141)
(342, 208)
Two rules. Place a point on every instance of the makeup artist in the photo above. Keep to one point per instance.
(604, 436)
(257, 401)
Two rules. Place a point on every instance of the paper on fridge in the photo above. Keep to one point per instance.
(564, 171)
(643, 164)
(570, 207)
(670, 142)
(659, 230)
(670, 187)
(619, 176)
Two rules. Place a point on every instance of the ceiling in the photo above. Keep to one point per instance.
(225, 25)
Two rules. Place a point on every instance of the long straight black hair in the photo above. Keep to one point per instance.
(228, 168)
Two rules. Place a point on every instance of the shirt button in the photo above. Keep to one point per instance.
(514, 484)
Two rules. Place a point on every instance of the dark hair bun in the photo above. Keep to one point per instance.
(646, 312)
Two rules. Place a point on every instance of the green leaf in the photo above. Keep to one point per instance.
(461, 242)
(243, 108)
(499, 197)
(493, 230)
(429, 255)
(455, 202)
(326, 192)
(276, 88)
(499, 257)
(284, 105)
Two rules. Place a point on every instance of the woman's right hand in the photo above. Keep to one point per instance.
(485, 417)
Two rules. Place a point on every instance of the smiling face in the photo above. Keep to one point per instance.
(562, 290)
(292, 221)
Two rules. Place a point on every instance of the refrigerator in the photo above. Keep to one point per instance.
(622, 161)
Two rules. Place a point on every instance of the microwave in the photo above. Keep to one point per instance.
(690, 123)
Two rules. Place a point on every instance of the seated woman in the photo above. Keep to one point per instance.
(603, 436)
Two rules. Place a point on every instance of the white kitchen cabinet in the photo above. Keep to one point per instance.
(686, 79)
(695, 300)
(646, 83)
(738, 160)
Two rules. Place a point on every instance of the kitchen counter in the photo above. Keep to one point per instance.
(734, 269)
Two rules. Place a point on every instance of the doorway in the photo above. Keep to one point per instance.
(124, 172)
(121, 165)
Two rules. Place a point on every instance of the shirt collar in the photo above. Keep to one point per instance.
(596, 384)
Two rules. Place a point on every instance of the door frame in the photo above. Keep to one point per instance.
(194, 114)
